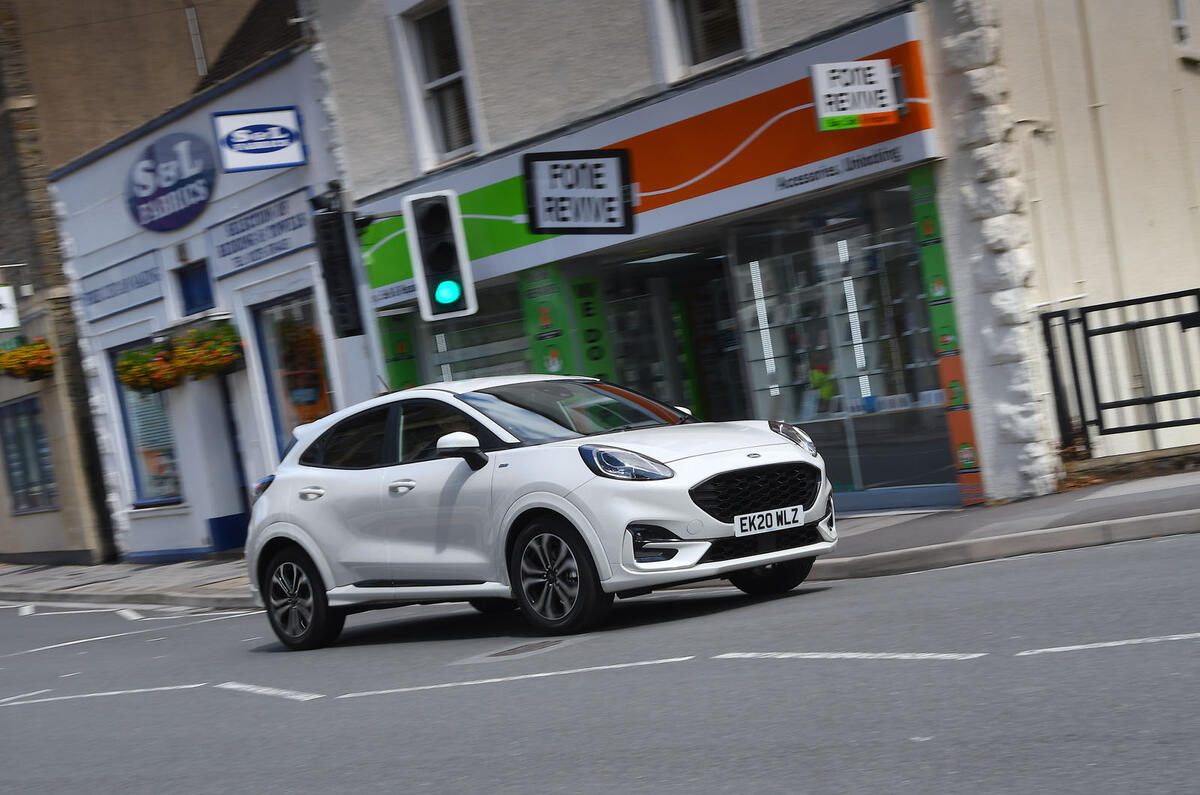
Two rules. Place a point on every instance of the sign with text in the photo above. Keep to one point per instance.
(170, 183)
(261, 234)
(251, 140)
(854, 94)
(9, 318)
(579, 192)
(120, 287)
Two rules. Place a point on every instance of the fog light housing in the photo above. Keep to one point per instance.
(649, 543)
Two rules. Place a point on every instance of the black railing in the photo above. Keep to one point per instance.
(1125, 366)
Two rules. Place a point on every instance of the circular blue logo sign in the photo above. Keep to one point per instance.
(171, 182)
(260, 138)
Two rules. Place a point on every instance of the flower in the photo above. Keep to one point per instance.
(198, 352)
(32, 361)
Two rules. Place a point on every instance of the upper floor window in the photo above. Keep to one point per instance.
(442, 82)
(195, 288)
(1179, 23)
(709, 30)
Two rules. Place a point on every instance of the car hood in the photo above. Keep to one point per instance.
(669, 443)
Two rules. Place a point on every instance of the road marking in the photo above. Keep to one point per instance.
(154, 640)
(130, 615)
(293, 695)
(75, 612)
(498, 679)
(1109, 644)
(24, 695)
(65, 676)
(247, 640)
(126, 634)
(105, 693)
(846, 655)
(26, 610)
(920, 739)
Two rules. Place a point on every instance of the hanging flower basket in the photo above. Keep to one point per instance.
(209, 351)
(32, 362)
(198, 352)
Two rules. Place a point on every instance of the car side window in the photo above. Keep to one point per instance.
(423, 422)
(358, 442)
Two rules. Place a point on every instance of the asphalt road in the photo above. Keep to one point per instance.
(1074, 672)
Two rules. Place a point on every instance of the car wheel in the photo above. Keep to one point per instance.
(494, 606)
(774, 578)
(555, 580)
(297, 607)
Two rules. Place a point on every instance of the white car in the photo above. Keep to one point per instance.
(552, 494)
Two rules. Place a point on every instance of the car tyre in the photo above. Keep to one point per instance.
(297, 607)
(493, 605)
(555, 580)
(772, 579)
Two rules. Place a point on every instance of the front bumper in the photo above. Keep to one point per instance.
(703, 546)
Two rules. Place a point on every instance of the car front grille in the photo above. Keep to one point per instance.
(757, 489)
(761, 543)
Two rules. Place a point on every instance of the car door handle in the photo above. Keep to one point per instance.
(311, 492)
(402, 486)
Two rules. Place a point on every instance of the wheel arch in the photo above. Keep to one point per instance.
(546, 505)
(281, 536)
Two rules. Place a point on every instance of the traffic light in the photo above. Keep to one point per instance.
(441, 267)
(337, 270)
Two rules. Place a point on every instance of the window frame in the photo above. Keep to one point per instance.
(410, 67)
(138, 500)
(1181, 29)
(671, 37)
(191, 267)
(29, 406)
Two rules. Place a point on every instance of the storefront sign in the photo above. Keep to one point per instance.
(121, 287)
(171, 182)
(592, 329)
(854, 94)
(252, 140)
(262, 234)
(579, 192)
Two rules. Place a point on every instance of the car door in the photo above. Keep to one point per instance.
(438, 509)
(339, 487)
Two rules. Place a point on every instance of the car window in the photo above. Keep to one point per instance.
(357, 442)
(545, 411)
(423, 422)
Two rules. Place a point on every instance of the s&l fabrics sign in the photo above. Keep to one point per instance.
(854, 94)
(251, 140)
(262, 234)
(171, 182)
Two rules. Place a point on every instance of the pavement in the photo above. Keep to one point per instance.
(873, 544)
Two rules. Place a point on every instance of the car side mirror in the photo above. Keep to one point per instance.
(462, 445)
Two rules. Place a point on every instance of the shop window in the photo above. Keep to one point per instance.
(151, 447)
(31, 481)
(490, 342)
(430, 48)
(195, 288)
(293, 358)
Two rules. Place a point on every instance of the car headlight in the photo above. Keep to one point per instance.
(613, 462)
(794, 434)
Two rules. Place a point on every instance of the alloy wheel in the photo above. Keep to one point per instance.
(549, 576)
(291, 599)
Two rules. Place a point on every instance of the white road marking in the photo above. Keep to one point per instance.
(26, 610)
(65, 676)
(519, 678)
(1110, 644)
(75, 612)
(293, 695)
(920, 739)
(154, 640)
(127, 634)
(846, 655)
(247, 640)
(105, 693)
(24, 695)
(130, 615)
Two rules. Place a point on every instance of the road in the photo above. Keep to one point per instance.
(1073, 672)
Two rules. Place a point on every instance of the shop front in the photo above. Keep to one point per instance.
(744, 247)
(204, 305)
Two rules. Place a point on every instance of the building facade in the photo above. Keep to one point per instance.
(210, 324)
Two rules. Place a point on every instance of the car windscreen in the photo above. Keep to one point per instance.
(546, 411)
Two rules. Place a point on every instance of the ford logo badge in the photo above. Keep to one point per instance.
(260, 138)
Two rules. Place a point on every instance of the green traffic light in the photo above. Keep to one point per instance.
(447, 292)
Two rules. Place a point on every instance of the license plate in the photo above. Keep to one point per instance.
(765, 521)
